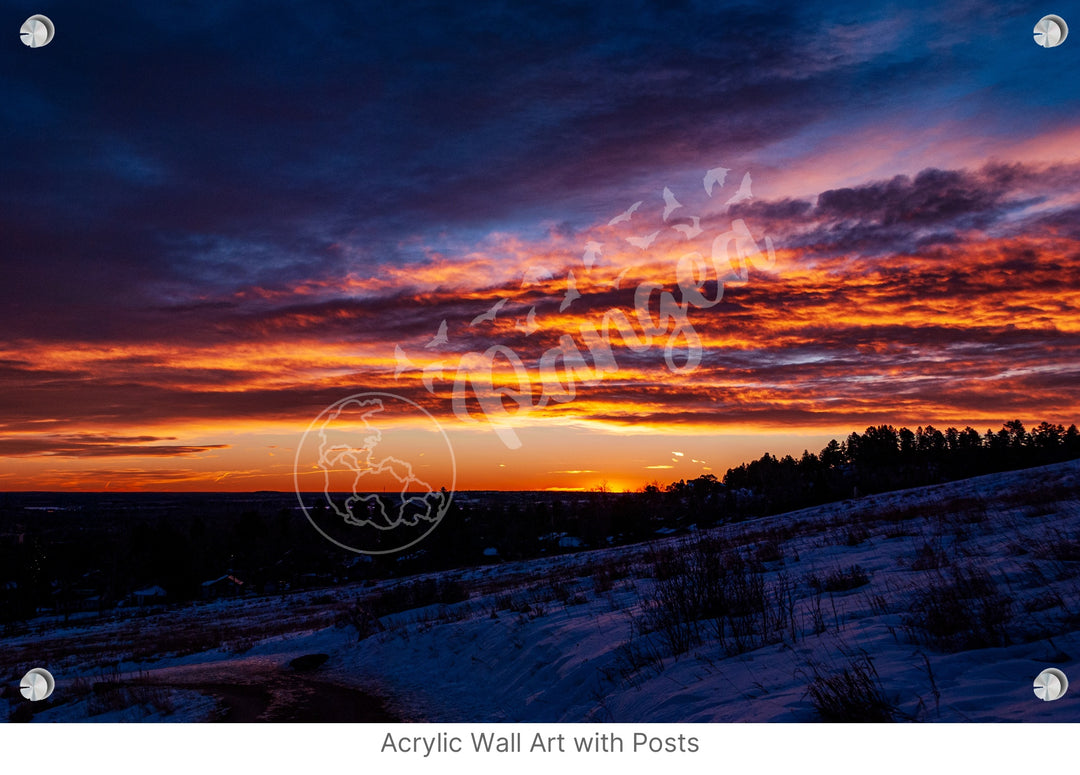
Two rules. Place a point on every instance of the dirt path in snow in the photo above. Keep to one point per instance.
(258, 693)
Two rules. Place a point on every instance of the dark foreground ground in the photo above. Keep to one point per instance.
(283, 696)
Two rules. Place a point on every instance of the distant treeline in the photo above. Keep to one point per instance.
(98, 551)
(881, 459)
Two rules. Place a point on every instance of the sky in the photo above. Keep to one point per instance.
(219, 219)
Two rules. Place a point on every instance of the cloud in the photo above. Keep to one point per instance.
(86, 446)
(337, 156)
(347, 194)
(828, 336)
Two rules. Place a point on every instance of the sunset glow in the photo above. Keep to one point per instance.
(180, 328)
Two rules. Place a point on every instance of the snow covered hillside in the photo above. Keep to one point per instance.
(936, 604)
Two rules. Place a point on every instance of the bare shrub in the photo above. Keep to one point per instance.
(856, 534)
(900, 512)
(840, 579)
(111, 692)
(967, 510)
(603, 580)
(879, 605)
(1044, 601)
(1058, 547)
(768, 550)
(817, 617)
(606, 573)
(706, 588)
(1040, 501)
(961, 610)
(930, 556)
(566, 592)
(674, 611)
(417, 594)
(899, 530)
(853, 694)
(635, 661)
(361, 618)
(529, 612)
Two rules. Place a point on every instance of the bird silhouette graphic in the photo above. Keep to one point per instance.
(530, 325)
(715, 177)
(619, 278)
(535, 275)
(591, 254)
(671, 204)
(743, 193)
(489, 316)
(643, 242)
(626, 215)
(431, 373)
(689, 231)
(402, 362)
(439, 338)
(572, 293)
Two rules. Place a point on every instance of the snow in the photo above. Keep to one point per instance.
(169, 706)
(154, 591)
(562, 638)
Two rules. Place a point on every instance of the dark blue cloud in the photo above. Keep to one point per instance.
(166, 153)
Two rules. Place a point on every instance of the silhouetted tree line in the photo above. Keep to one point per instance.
(98, 551)
(96, 556)
(884, 458)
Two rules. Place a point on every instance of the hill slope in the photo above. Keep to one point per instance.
(934, 604)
